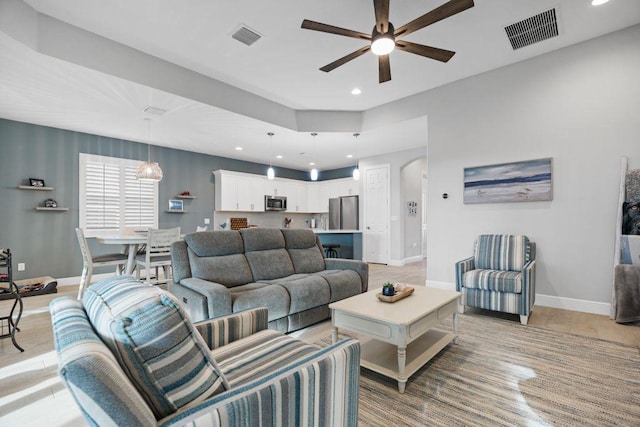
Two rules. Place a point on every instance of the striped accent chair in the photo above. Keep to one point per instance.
(500, 275)
(130, 356)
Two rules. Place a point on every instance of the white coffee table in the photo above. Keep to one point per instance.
(397, 339)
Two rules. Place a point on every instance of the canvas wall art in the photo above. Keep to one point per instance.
(526, 181)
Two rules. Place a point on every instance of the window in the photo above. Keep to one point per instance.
(112, 199)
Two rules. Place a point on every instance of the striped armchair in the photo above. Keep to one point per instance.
(130, 356)
(500, 275)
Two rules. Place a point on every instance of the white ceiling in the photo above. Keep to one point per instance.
(41, 83)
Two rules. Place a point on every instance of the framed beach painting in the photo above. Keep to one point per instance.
(526, 181)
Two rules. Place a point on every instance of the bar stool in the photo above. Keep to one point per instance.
(330, 250)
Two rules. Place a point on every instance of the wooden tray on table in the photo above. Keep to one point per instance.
(408, 290)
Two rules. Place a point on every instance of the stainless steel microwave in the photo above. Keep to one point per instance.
(275, 203)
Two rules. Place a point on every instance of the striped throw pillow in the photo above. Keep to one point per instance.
(155, 343)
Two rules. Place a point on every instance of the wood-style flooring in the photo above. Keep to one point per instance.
(32, 394)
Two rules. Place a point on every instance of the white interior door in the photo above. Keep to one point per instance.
(376, 215)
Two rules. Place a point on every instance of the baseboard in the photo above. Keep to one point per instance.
(572, 304)
(403, 262)
(440, 285)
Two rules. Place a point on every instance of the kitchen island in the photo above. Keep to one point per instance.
(350, 241)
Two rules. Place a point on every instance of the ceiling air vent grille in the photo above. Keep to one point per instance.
(532, 30)
(246, 35)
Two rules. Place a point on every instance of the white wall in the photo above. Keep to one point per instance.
(396, 161)
(411, 182)
(580, 106)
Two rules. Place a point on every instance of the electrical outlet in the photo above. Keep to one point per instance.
(207, 220)
(21, 266)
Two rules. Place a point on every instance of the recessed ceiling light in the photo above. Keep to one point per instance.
(238, 148)
(356, 91)
(598, 2)
(311, 164)
(279, 156)
(349, 156)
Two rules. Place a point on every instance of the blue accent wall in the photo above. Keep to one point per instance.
(46, 241)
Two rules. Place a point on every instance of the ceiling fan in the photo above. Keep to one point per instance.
(384, 37)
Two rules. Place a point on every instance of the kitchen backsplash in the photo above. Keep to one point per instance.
(270, 219)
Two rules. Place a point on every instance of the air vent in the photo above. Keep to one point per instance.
(246, 35)
(532, 30)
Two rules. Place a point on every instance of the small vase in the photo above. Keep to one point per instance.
(389, 292)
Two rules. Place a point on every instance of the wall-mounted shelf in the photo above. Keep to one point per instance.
(40, 208)
(185, 197)
(175, 211)
(29, 187)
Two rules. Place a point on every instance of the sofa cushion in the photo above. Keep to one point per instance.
(229, 270)
(253, 295)
(209, 243)
(305, 291)
(269, 264)
(260, 239)
(258, 355)
(342, 283)
(494, 280)
(501, 252)
(306, 255)
(154, 342)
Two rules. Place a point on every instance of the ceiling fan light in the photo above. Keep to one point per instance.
(271, 174)
(314, 174)
(383, 46)
(383, 43)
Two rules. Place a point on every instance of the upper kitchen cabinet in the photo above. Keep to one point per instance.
(239, 192)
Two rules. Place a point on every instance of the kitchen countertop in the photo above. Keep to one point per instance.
(320, 231)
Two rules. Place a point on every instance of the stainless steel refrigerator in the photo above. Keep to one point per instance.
(343, 213)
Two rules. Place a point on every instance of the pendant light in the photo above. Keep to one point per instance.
(271, 174)
(314, 172)
(356, 171)
(148, 171)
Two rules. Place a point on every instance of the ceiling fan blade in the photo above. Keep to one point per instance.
(446, 10)
(381, 8)
(384, 68)
(317, 26)
(442, 55)
(345, 59)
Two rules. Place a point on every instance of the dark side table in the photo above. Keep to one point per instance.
(8, 327)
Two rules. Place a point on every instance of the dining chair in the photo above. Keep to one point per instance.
(157, 254)
(88, 262)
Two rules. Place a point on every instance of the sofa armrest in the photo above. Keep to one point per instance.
(226, 329)
(218, 296)
(360, 267)
(335, 370)
(529, 283)
(461, 268)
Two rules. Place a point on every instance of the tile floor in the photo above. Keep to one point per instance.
(32, 395)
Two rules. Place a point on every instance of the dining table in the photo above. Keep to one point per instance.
(131, 243)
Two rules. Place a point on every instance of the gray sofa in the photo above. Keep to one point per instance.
(216, 273)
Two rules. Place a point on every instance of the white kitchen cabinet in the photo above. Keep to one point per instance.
(313, 197)
(296, 193)
(239, 192)
(276, 187)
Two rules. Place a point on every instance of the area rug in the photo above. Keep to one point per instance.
(502, 373)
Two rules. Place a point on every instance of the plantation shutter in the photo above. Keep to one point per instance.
(102, 202)
(112, 199)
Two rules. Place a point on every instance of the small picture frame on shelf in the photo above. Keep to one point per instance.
(36, 182)
(175, 205)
